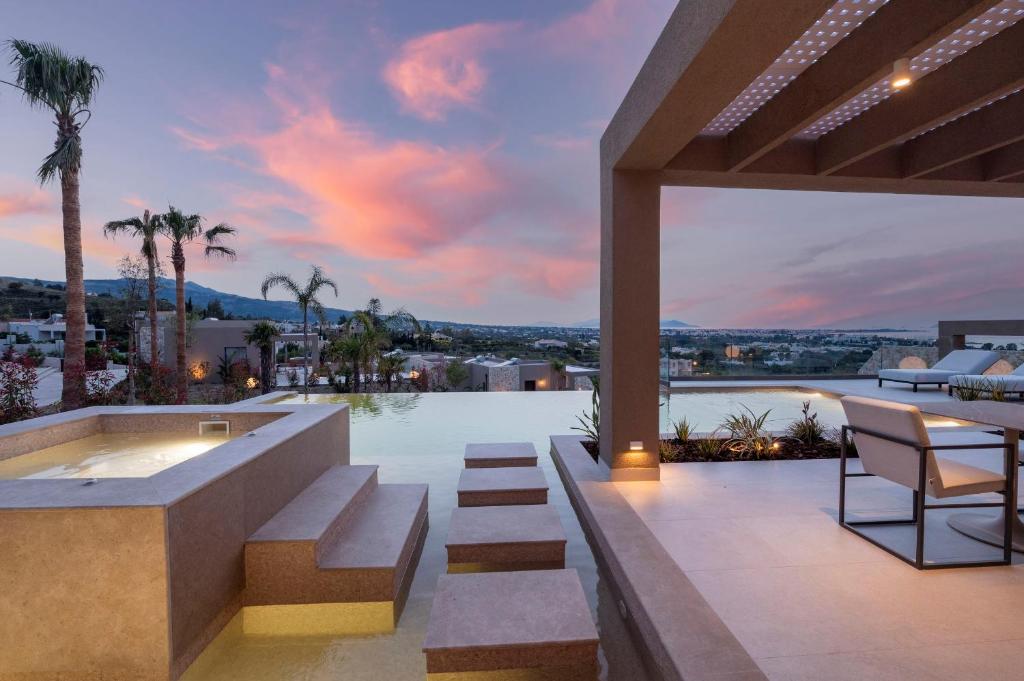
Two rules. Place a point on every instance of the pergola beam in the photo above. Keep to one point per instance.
(984, 130)
(984, 73)
(1006, 163)
(896, 30)
(692, 74)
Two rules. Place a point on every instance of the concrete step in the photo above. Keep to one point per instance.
(502, 621)
(500, 454)
(361, 580)
(505, 538)
(314, 518)
(290, 544)
(381, 546)
(502, 486)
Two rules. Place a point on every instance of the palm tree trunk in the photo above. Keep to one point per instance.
(305, 350)
(154, 348)
(178, 260)
(266, 355)
(73, 392)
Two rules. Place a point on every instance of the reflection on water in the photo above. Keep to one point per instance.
(704, 410)
(420, 438)
(111, 455)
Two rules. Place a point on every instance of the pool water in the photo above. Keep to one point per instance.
(420, 438)
(703, 409)
(111, 455)
(417, 437)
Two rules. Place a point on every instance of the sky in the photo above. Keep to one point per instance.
(443, 156)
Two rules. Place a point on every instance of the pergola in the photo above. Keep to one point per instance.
(792, 94)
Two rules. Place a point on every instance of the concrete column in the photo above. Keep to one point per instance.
(630, 310)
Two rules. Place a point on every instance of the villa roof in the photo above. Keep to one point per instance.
(795, 94)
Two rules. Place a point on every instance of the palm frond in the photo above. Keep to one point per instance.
(319, 280)
(50, 78)
(283, 280)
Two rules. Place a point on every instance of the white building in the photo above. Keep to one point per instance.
(52, 329)
(676, 367)
(548, 343)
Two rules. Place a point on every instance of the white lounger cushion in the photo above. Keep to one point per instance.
(967, 361)
(955, 363)
(900, 463)
(917, 375)
(1009, 382)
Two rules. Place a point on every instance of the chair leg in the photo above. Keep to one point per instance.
(879, 383)
(1010, 503)
(919, 514)
(915, 387)
(914, 517)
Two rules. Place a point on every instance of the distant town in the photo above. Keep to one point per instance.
(414, 355)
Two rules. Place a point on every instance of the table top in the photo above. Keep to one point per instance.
(999, 414)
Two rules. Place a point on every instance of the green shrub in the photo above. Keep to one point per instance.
(748, 435)
(807, 429)
(683, 429)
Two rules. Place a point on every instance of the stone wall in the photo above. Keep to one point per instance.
(503, 378)
(920, 356)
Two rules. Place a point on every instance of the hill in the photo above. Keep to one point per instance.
(665, 324)
(239, 306)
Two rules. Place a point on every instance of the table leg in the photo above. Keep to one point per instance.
(990, 529)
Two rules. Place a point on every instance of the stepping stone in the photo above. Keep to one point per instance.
(499, 538)
(512, 621)
(500, 454)
(502, 486)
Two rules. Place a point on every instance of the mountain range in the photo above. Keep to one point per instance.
(281, 310)
(201, 296)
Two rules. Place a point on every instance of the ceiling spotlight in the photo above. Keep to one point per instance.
(901, 76)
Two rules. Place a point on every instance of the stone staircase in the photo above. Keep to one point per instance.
(510, 610)
(338, 559)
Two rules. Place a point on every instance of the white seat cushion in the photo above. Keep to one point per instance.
(917, 375)
(959, 479)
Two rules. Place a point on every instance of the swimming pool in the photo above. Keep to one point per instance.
(420, 438)
(417, 437)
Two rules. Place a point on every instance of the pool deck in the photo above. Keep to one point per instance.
(866, 387)
(765, 583)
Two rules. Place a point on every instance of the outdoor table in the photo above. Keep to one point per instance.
(1010, 419)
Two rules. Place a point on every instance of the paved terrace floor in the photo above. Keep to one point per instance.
(809, 600)
(898, 392)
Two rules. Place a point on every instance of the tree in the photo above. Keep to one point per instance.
(145, 228)
(306, 297)
(181, 230)
(389, 366)
(215, 309)
(132, 272)
(456, 374)
(51, 79)
(558, 366)
(262, 335)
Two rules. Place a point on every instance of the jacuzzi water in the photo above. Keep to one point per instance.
(111, 455)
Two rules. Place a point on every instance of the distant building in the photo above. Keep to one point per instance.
(549, 343)
(213, 343)
(671, 366)
(439, 337)
(494, 374)
(51, 329)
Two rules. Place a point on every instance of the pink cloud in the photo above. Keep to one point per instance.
(598, 21)
(448, 224)
(29, 202)
(436, 72)
(135, 202)
(973, 282)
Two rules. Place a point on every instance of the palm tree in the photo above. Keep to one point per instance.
(558, 366)
(183, 229)
(64, 85)
(146, 228)
(350, 348)
(262, 335)
(306, 297)
(388, 367)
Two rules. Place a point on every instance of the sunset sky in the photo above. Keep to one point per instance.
(442, 155)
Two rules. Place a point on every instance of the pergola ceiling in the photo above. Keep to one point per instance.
(798, 97)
